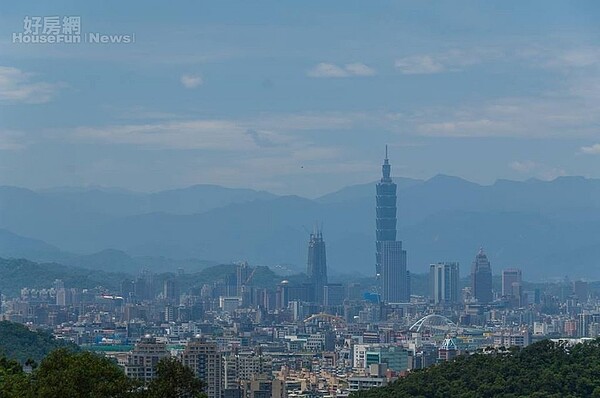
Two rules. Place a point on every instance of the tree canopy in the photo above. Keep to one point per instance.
(64, 373)
(19, 343)
(544, 369)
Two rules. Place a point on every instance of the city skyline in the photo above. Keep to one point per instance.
(274, 200)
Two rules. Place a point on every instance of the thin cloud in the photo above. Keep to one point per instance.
(17, 86)
(191, 81)
(524, 166)
(590, 150)
(194, 134)
(359, 69)
(324, 70)
(263, 139)
(11, 140)
(419, 64)
(539, 170)
(449, 61)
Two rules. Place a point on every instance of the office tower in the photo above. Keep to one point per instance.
(511, 278)
(127, 288)
(581, 290)
(204, 358)
(243, 276)
(334, 294)
(317, 265)
(390, 259)
(394, 281)
(444, 283)
(171, 291)
(481, 278)
(386, 211)
(142, 360)
(144, 286)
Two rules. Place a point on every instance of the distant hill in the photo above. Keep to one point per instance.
(547, 228)
(13, 245)
(118, 202)
(112, 260)
(19, 273)
(362, 191)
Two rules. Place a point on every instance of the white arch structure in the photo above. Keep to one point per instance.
(433, 321)
(325, 317)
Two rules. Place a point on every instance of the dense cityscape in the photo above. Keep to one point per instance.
(234, 199)
(308, 336)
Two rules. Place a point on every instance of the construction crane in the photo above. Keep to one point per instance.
(250, 276)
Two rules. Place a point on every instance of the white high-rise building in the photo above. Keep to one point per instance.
(444, 283)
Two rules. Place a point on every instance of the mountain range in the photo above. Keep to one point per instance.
(547, 228)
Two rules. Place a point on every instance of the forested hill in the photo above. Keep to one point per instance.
(544, 369)
(19, 343)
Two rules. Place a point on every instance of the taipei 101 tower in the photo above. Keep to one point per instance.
(386, 210)
(393, 278)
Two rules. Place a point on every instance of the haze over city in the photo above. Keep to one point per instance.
(299, 200)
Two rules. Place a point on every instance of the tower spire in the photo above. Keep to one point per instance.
(386, 168)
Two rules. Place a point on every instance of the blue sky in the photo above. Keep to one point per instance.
(300, 98)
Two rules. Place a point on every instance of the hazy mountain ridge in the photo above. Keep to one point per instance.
(118, 202)
(531, 224)
(109, 260)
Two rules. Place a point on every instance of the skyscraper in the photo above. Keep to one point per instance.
(386, 211)
(481, 278)
(510, 277)
(444, 283)
(317, 265)
(171, 291)
(243, 276)
(390, 265)
(394, 281)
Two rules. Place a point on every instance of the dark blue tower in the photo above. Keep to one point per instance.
(386, 211)
(317, 265)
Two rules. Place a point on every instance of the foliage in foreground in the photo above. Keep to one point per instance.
(544, 369)
(64, 373)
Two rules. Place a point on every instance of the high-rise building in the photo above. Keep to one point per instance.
(444, 283)
(481, 278)
(334, 294)
(580, 290)
(394, 278)
(317, 265)
(390, 261)
(204, 358)
(171, 291)
(243, 276)
(511, 279)
(386, 211)
(142, 360)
